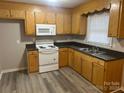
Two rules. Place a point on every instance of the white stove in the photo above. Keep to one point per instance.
(48, 56)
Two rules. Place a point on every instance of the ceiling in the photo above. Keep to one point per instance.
(57, 3)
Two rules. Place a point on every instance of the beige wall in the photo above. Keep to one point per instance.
(12, 46)
(0, 63)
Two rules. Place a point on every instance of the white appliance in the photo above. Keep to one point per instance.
(48, 56)
(45, 29)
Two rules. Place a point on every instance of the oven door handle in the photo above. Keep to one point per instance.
(44, 52)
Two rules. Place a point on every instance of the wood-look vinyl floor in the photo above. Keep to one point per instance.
(64, 80)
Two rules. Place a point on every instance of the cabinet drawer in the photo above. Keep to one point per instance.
(63, 49)
(33, 52)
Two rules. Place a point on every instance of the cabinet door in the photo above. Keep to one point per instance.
(75, 24)
(33, 62)
(87, 68)
(67, 23)
(77, 61)
(114, 18)
(40, 17)
(121, 21)
(30, 23)
(51, 18)
(59, 23)
(98, 75)
(63, 57)
(4, 13)
(71, 58)
(18, 14)
(79, 24)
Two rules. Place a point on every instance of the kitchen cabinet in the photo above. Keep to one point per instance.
(71, 58)
(32, 61)
(63, 57)
(79, 24)
(98, 75)
(40, 17)
(87, 67)
(45, 17)
(60, 23)
(12, 14)
(17, 14)
(77, 61)
(99, 72)
(67, 23)
(4, 13)
(51, 18)
(30, 23)
(116, 19)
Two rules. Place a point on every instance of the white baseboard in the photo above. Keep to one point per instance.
(13, 70)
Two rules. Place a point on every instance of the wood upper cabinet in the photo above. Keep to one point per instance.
(45, 17)
(87, 67)
(32, 61)
(75, 23)
(79, 24)
(4, 13)
(12, 14)
(63, 57)
(116, 24)
(30, 23)
(98, 75)
(40, 17)
(77, 61)
(67, 23)
(51, 18)
(60, 23)
(17, 14)
(71, 58)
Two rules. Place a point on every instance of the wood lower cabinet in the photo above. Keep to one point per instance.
(33, 61)
(87, 67)
(63, 57)
(98, 75)
(103, 74)
(77, 61)
(71, 58)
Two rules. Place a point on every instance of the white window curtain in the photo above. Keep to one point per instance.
(97, 28)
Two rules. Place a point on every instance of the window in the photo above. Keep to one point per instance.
(97, 28)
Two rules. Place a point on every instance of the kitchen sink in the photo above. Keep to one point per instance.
(93, 51)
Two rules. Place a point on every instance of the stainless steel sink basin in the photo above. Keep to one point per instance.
(92, 51)
(84, 49)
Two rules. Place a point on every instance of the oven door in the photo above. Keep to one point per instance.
(48, 57)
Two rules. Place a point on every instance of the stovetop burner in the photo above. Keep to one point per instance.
(51, 46)
(42, 47)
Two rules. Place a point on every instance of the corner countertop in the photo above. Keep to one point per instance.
(31, 47)
(108, 55)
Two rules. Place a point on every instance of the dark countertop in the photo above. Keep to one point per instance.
(108, 55)
(31, 47)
